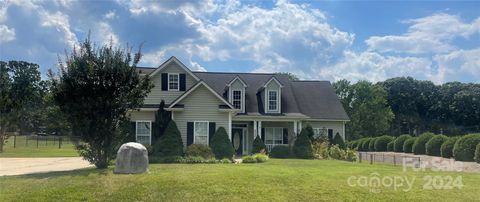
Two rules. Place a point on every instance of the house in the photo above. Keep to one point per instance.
(247, 105)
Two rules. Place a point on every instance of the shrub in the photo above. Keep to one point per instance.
(398, 144)
(419, 145)
(335, 152)
(365, 144)
(260, 158)
(310, 132)
(221, 145)
(381, 143)
(187, 160)
(302, 148)
(351, 155)
(477, 153)
(408, 145)
(248, 159)
(433, 145)
(170, 144)
(258, 145)
(371, 144)
(199, 150)
(446, 150)
(338, 140)
(280, 152)
(390, 146)
(464, 149)
(320, 150)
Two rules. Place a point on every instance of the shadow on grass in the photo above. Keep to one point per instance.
(72, 173)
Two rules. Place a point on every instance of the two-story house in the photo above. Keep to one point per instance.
(247, 105)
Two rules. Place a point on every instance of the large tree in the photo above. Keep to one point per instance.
(6, 102)
(96, 88)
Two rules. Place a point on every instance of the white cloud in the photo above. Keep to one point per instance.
(460, 65)
(60, 22)
(105, 34)
(110, 15)
(6, 34)
(431, 34)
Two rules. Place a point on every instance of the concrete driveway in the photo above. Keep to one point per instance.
(21, 166)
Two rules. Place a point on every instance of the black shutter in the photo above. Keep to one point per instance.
(132, 136)
(285, 135)
(182, 82)
(164, 81)
(211, 130)
(262, 135)
(189, 133)
(330, 135)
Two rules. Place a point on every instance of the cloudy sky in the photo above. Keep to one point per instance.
(328, 40)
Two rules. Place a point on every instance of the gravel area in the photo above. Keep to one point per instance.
(21, 166)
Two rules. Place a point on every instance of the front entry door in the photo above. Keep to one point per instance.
(237, 140)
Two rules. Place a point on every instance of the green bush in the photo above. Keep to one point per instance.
(390, 146)
(398, 144)
(446, 150)
(371, 144)
(260, 158)
(364, 144)
(280, 151)
(221, 145)
(477, 153)
(464, 149)
(248, 159)
(335, 152)
(199, 150)
(258, 145)
(187, 160)
(320, 150)
(433, 145)
(351, 155)
(302, 148)
(419, 145)
(381, 143)
(408, 145)
(338, 140)
(169, 144)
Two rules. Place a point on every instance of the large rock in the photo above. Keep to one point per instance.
(132, 158)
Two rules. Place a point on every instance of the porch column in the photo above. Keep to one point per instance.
(259, 132)
(254, 129)
(230, 125)
(295, 130)
(300, 125)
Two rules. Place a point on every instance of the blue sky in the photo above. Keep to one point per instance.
(324, 40)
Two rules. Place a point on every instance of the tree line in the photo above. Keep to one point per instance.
(404, 105)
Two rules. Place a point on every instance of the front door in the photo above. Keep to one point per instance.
(237, 140)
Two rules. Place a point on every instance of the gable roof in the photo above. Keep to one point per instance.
(200, 83)
(170, 60)
(237, 78)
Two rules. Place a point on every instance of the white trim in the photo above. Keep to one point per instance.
(195, 87)
(237, 78)
(136, 130)
(171, 113)
(174, 59)
(259, 128)
(267, 101)
(178, 81)
(326, 120)
(208, 132)
(230, 125)
(255, 131)
(242, 98)
(270, 80)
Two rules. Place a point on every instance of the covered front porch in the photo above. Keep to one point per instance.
(272, 132)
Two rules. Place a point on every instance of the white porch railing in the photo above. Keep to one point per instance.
(270, 146)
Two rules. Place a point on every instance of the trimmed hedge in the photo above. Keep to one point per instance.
(170, 143)
(302, 148)
(446, 150)
(256, 158)
(477, 153)
(398, 144)
(381, 143)
(221, 145)
(433, 145)
(419, 145)
(390, 146)
(408, 145)
(464, 149)
(371, 144)
(280, 151)
(258, 145)
(201, 150)
(364, 144)
(338, 140)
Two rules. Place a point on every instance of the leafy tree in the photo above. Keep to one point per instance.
(6, 103)
(291, 76)
(258, 145)
(170, 144)
(162, 118)
(302, 148)
(221, 145)
(95, 89)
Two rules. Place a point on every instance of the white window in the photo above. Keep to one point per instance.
(237, 99)
(273, 136)
(272, 100)
(144, 132)
(319, 132)
(173, 82)
(200, 132)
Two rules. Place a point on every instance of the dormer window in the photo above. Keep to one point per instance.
(272, 100)
(237, 99)
(173, 82)
(236, 91)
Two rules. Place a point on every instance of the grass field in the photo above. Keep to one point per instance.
(276, 180)
(47, 147)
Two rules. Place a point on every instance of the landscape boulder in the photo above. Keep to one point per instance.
(132, 158)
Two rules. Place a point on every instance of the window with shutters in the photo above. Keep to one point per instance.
(200, 132)
(144, 132)
(173, 82)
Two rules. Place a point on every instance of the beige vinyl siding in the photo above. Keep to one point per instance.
(200, 105)
(142, 115)
(273, 86)
(156, 95)
(337, 126)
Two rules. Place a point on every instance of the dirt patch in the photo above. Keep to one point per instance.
(21, 166)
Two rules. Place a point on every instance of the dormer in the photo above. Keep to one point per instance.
(236, 93)
(272, 93)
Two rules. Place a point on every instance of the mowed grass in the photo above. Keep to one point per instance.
(47, 147)
(276, 180)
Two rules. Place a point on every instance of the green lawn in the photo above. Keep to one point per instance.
(276, 180)
(47, 147)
